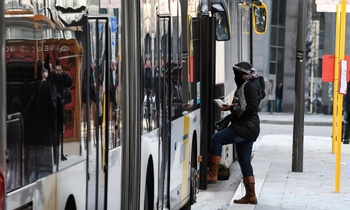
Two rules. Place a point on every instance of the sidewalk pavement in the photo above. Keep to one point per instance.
(278, 187)
(288, 119)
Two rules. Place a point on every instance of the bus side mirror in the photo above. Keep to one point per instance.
(219, 11)
(259, 18)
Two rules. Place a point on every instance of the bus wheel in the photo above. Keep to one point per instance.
(145, 206)
(70, 205)
(194, 186)
(148, 202)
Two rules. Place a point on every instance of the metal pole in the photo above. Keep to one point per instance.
(335, 126)
(298, 130)
(340, 101)
(312, 86)
(251, 34)
(312, 68)
(131, 130)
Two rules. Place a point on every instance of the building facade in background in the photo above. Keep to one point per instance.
(274, 53)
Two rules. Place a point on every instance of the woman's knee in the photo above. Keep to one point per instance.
(215, 138)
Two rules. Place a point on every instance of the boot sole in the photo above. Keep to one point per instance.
(253, 203)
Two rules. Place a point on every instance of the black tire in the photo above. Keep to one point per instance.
(70, 205)
(194, 186)
(149, 191)
(146, 205)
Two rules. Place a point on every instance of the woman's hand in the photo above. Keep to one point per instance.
(225, 107)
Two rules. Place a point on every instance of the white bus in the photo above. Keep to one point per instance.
(108, 105)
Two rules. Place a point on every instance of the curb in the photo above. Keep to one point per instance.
(292, 122)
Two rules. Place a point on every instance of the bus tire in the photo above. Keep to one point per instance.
(193, 186)
(148, 202)
(70, 205)
(146, 205)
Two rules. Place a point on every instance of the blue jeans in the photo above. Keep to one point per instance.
(243, 148)
(278, 104)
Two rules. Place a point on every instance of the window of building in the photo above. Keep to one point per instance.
(277, 39)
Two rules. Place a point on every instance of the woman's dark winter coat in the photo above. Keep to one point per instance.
(247, 125)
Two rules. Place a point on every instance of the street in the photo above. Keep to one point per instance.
(218, 196)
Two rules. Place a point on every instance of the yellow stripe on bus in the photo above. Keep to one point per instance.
(186, 158)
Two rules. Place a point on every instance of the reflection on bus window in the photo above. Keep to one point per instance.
(15, 149)
(222, 32)
(149, 108)
(40, 87)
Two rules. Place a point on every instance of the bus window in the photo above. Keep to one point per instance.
(42, 74)
(14, 171)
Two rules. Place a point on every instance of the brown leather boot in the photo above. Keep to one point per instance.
(212, 176)
(250, 197)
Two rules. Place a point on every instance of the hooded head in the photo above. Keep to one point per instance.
(242, 72)
(242, 68)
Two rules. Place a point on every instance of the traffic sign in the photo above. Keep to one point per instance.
(329, 8)
(330, 5)
(328, 2)
(331, 1)
(343, 76)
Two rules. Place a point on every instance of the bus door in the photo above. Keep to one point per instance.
(164, 92)
(102, 124)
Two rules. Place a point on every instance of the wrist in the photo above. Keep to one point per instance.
(231, 108)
